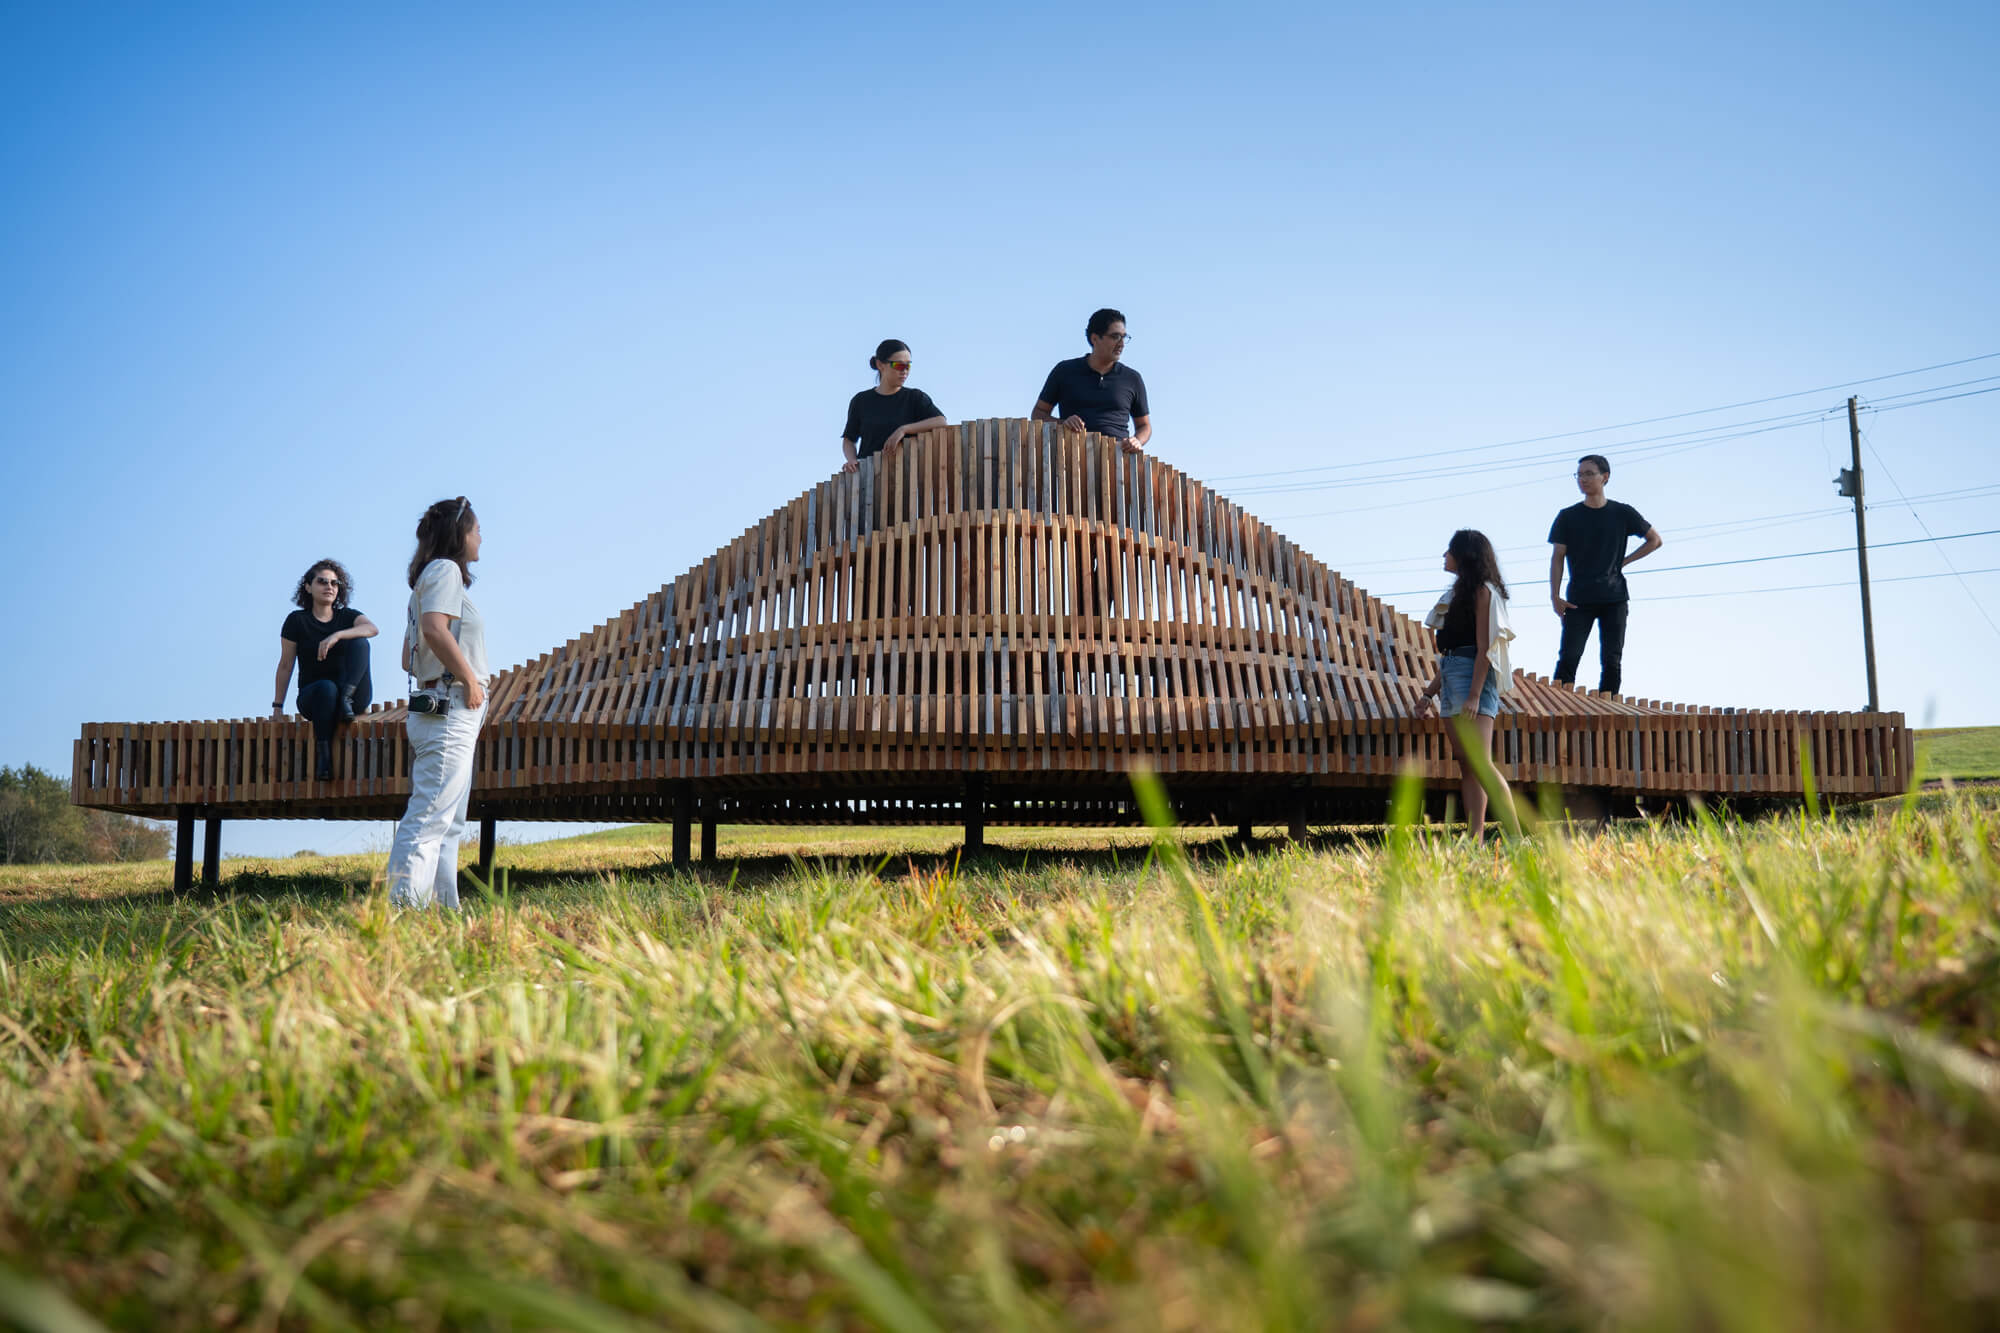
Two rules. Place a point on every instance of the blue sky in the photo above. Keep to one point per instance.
(274, 278)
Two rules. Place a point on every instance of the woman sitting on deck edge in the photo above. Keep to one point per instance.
(329, 640)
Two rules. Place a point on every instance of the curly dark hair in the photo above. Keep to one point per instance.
(302, 595)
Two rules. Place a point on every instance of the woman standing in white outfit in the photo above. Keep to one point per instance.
(444, 650)
(1473, 668)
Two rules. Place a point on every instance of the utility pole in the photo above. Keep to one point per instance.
(1849, 482)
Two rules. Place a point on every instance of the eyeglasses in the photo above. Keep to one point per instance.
(1115, 337)
(896, 365)
(323, 580)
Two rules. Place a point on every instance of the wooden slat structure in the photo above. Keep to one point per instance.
(994, 623)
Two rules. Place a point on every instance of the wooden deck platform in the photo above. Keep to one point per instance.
(995, 623)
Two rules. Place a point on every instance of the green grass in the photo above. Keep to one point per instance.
(1719, 1077)
(1960, 752)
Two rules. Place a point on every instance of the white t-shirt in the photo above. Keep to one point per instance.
(441, 588)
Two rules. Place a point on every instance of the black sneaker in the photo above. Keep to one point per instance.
(346, 706)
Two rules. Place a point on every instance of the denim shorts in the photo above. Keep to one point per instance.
(1457, 683)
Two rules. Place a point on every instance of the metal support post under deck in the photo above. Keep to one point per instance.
(683, 828)
(487, 838)
(1295, 828)
(707, 836)
(183, 852)
(975, 812)
(211, 852)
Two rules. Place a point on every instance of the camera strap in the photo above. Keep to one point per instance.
(413, 643)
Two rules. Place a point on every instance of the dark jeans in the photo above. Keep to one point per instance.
(320, 701)
(1609, 617)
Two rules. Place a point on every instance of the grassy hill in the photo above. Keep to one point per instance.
(1696, 1077)
(1960, 752)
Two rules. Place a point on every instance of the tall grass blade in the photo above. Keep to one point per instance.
(37, 1307)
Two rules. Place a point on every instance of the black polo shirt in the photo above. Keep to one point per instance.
(1108, 403)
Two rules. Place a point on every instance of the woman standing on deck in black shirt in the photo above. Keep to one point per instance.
(1470, 622)
(880, 417)
(329, 640)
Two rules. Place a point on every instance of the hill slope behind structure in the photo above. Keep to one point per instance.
(1959, 752)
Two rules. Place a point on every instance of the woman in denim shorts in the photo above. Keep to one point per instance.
(1472, 634)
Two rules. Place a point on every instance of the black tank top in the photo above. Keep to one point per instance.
(1461, 623)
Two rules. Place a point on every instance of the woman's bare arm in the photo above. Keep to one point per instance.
(362, 628)
(928, 423)
(287, 651)
(437, 637)
(1482, 639)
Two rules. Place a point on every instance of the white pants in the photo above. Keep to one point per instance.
(423, 859)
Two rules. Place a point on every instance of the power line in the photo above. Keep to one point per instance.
(1730, 592)
(1935, 388)
(1660, 446)
(1831, 550)
(1945, 398)
(1764, 559)
(1683, 441)
(1807, 587)
(1643, 456)
(1420, 500)
(1977, 605)
(1701, 531)
(1624, 425)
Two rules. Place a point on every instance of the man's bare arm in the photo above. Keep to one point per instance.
(1653, 543)
(1047, 412)
(1142, 432)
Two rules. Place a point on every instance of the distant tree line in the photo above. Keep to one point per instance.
(39, 825)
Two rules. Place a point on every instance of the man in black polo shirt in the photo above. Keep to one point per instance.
(1100, 392)
(1590, 536)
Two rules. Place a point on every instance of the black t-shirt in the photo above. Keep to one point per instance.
(871, 416)
(1595, 539)
(306, 631)
(1108, 403)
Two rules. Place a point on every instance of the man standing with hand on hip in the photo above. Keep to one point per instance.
(1590, 536)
